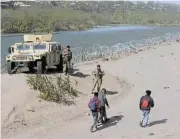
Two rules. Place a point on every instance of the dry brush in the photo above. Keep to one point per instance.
(58, 89)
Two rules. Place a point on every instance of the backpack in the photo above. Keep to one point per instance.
(145, 103)
(93, 105)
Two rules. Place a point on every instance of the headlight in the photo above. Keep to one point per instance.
(37, 55)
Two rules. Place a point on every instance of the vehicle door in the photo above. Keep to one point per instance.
(58, 53)
(53, 48)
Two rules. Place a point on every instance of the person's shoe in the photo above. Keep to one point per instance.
(106, 120)
(100, 122)
(91, 129)
(145, 126)
(103, 122)
(141, 125)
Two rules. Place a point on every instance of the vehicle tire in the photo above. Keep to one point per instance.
(41, 67)
(31, 69)
(10, 67)
(60, 65)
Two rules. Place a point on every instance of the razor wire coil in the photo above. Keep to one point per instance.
(116, 50)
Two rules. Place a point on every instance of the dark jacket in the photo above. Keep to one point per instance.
(151, 103)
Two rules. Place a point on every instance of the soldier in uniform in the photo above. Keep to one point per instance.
(67, 56)
(97, 80)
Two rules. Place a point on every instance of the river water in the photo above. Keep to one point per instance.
(102, 35)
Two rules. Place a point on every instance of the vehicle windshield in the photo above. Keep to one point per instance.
(23, 47)
(39, 47)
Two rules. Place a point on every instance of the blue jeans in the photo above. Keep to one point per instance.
(95, 119)
(145, 118)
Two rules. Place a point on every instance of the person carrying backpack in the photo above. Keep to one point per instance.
(146, 102)
(94, 105)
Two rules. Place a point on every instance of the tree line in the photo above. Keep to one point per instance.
(53, 19)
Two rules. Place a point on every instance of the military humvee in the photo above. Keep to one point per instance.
(37, 52)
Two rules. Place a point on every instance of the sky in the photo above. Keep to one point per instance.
(175, 2)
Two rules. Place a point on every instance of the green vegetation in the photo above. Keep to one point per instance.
(83, 15)
(57, 89)
(146, 18)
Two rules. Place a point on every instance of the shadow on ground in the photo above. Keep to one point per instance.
(112, 122)
(48, 71)
(80, 74)
(26, 71)
(158, 122)
(111, 92)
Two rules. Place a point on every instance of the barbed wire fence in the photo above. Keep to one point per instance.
(116, 51)
(82, 54)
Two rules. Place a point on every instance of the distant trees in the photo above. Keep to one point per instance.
(82, 15)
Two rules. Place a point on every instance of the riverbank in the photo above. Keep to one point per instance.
(126, 80)
(95, 27)
(87, 29)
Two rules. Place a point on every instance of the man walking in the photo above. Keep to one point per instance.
(97, 78)
(103, 100)
(146, 102)
(67, 56)
(94, 106)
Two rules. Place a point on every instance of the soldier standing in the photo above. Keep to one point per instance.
(67, 56)
(97, 80)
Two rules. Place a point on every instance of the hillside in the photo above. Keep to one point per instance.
(74, 16)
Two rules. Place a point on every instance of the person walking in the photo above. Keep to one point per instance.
(145, 105)
(103, 100)
(67, 56)
(97, 78)
(94, 105)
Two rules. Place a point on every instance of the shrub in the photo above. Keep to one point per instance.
(56, 89)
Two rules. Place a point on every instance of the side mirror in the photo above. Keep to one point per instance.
(9, 50)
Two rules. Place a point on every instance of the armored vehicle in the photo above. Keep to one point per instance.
(37, 52)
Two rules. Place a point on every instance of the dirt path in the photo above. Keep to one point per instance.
(155, 69)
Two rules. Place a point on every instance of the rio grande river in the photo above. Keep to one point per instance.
(101, 35)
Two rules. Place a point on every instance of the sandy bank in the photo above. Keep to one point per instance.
(126, 78)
